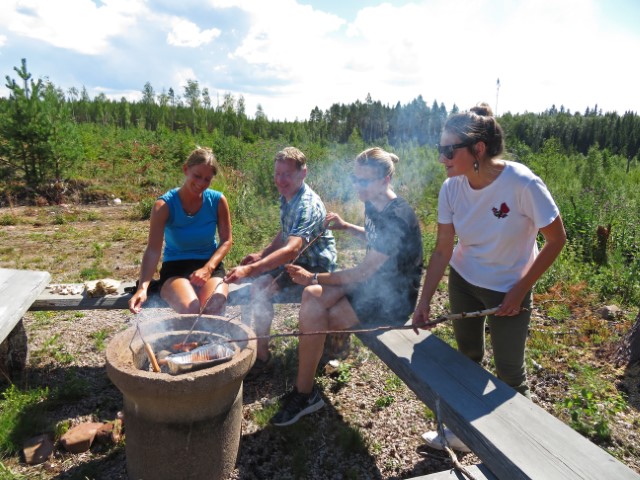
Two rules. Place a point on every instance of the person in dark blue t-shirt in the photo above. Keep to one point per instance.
(382, 288)
(186, 220)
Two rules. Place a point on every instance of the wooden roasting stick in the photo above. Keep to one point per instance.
(152, 357)
(314, 240)
(147, 348)
(384, 328)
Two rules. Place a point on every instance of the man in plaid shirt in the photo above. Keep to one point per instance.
(302, 218)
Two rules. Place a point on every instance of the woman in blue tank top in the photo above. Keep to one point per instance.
(186, 220)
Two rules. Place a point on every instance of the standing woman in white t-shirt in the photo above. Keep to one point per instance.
(496, 209)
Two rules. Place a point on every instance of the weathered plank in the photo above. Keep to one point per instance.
(512, 436)
(480, 472)
(18, 289)
(47, 300)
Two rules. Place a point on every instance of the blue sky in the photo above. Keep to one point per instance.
(290, 56)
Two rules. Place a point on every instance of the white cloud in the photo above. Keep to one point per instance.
(187, 34)
(544, 52)
(290, 57)
(286, 37)
(81, 25)
(3, 40)
(180, 77)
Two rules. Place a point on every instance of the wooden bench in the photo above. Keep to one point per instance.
(18, 289)
(47, 300)
(513, 437)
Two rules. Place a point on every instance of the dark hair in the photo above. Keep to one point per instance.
(478, 125)
(383, 161)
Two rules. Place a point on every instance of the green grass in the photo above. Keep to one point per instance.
(8, 219)
(351, 440)
(91, 216)
(384, 401)
(393, 384)
(52, 347)
(591, 402)
(43, 318)
(72, 389)
(559, 311)
(22, 413)
(7, 474)
(94, 272)
(263, 415)
(99, 338)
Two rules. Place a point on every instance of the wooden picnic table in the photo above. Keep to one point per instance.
(18, 290)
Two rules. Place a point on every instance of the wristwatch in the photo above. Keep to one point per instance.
(314, 280)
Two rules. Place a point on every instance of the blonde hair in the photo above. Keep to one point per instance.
(203, 156)
(381, 160)
(292, 153)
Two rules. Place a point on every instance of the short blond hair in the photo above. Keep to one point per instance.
(292, 153)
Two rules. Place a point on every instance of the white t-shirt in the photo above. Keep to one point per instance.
(497, 225)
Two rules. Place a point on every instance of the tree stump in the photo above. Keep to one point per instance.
(628, 351)
(13, 352)
(336, 346)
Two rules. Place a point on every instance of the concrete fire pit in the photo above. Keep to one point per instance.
(180, 426)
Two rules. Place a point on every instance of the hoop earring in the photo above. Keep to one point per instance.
(476, 166)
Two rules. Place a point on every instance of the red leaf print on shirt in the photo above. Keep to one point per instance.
(502, 212)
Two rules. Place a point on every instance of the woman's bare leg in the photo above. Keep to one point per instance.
(180, 295)
(213, 296)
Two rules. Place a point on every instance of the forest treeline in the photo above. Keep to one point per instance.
(38, 124)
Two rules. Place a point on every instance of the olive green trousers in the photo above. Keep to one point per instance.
(508, 334)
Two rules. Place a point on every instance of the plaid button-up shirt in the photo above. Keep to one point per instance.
(304, 217)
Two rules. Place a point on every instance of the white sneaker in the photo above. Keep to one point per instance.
(434, 440)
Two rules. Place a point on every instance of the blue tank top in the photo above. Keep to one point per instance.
(189, 237)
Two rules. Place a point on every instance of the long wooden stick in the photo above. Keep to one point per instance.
(147, 348)
(384, 328)
(275, 279)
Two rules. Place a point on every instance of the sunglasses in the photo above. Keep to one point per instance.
(449, 150)
(363, 182)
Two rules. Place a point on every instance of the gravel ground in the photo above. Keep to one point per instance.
(370, 427)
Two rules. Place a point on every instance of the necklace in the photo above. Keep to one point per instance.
(193, 209)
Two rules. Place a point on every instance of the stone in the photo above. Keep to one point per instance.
(110, 432)
(37, 449)
(79, 438)
(610, 312)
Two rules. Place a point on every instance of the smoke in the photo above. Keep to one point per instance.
(390, 295)
(417, 179)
